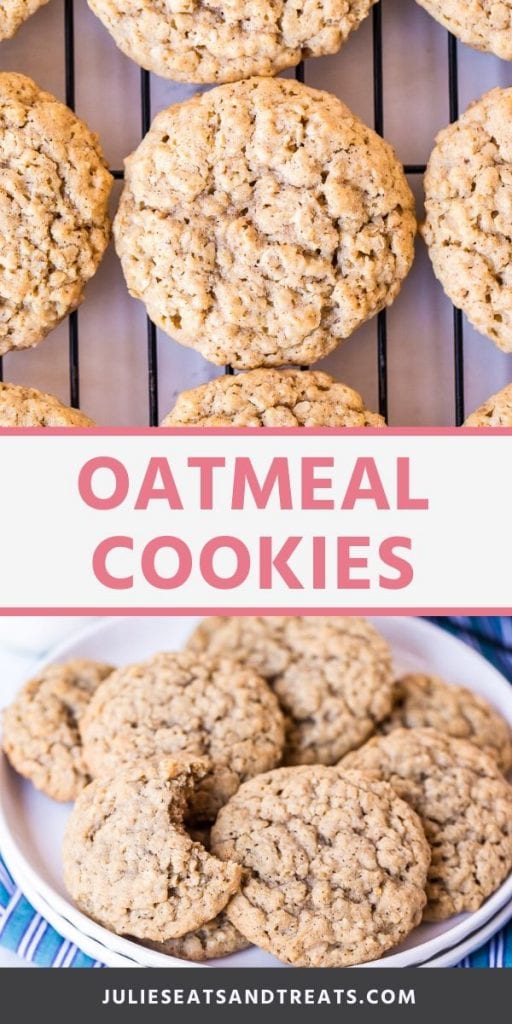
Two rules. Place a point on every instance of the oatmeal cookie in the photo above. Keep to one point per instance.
(262, 223)
(483, 24)
(496, 412)
(14, 12)
(426, 701)
(213, 940)
(334, 866)
(465, 805)
(26, 407)
(54, 190)
(187, 704)
(41, 727)
(214, 41)
(128, 861)
(272, 398)
(468, 227)
(332, 676)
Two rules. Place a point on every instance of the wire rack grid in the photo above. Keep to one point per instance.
(381, 320)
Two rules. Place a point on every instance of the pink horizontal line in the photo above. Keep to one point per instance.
(255, 432)
(240, 611)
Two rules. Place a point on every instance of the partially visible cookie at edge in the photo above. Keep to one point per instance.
(213, 940)
(423, 701)
(223, 42)
(484, 24)
(467, 204)
(334, 866)
(41, 728)
(26, 407)
(272, 398)
(128, 861)
(495, 412)
(54, 192)
(332, 676)
(465, 805)
(187, 704)
(14, 12)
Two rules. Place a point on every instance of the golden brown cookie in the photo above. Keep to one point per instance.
(194, 41)
(54, 191)
(27, 407)
(483, 24)
(332, 676)
(128, 861)
(467, 227)
(496, 412)
(14, 12)
(272, 398)
(215, 939)
(262, 222)
(334, 867)
(465, 805)
(41, 734)
(212, 941)
(423, 701)
(187, 704)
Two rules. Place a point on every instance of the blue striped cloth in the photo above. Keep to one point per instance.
(25, 932)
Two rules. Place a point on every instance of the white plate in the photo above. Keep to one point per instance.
(31, 826)
(475, 941)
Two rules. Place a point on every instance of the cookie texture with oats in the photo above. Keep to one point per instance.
(465, 805)
(128, 861)
(468, 214)
(262, 222)
(496, 412)
(214, 41)
(41, 728)
(272, 398)
(14, 12)
(54, 191)
(423, 701)
(332, 676)
(189, 704)
(483, 24)
(213, 940)
(334, 867)
(27, 407)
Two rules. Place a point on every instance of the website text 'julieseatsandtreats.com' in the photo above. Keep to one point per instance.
(255, 421)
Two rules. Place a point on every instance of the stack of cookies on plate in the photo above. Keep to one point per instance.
(272, 784)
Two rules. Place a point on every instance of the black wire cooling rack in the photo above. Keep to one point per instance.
(410, 169)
